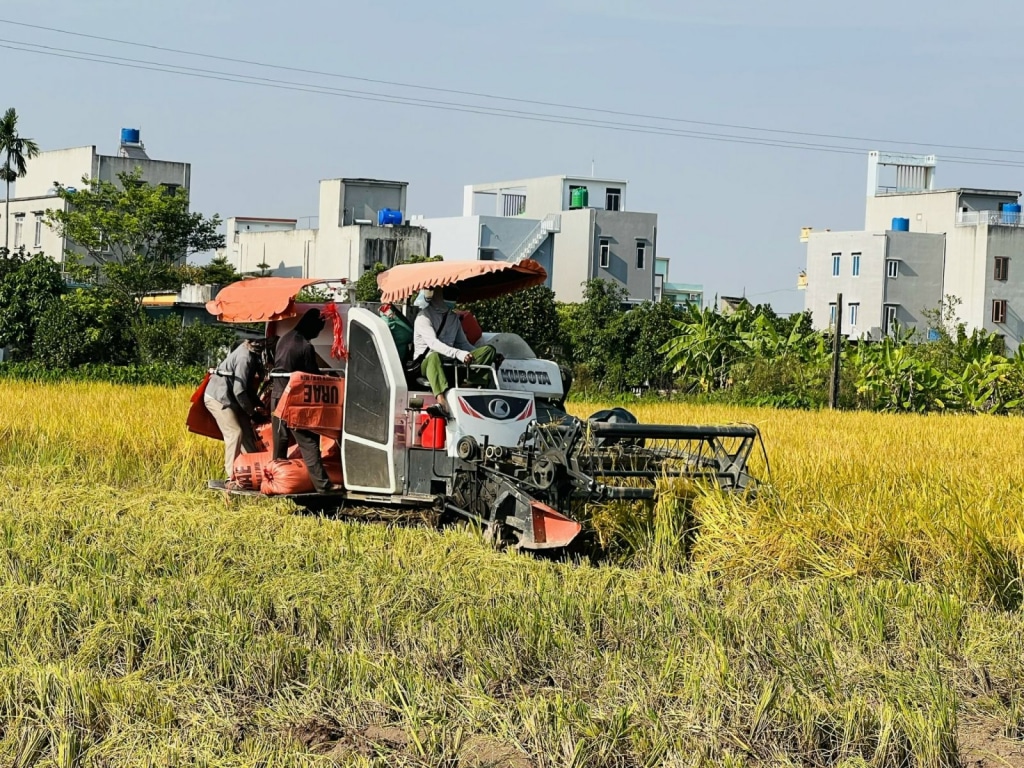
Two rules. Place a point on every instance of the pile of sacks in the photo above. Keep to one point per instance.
(259, 472)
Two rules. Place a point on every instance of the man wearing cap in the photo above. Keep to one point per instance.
(232, 398)
(438, 336)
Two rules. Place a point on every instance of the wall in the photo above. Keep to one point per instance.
(867, 289)
(1009, 242)
(457, 238)
(50, 242)
(66, 166)
(289, 254)
(596, 192)
(153, 171)
(919, 285)
(572, 255)
(937, 211)
(624, 231)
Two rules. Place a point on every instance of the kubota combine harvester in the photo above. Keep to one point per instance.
(509, 458)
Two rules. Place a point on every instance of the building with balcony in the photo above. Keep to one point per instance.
(360, 223)
(680, 294)
(919, 245)
(34, 194)
(579, 228)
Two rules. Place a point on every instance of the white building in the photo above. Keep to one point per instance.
(919, 245)
(34, 194)
(579, 228)
(352, 234)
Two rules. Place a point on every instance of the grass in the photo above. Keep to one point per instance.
(862, 611)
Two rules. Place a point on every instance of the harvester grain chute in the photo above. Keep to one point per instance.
(509, 457)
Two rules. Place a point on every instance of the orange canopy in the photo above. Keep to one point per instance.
(259, 299)
(476, 279)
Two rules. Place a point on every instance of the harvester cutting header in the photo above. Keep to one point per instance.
(437, 414)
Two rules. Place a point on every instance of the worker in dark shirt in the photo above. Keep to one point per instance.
(295, 353)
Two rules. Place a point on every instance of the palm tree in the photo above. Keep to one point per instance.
(18, 151)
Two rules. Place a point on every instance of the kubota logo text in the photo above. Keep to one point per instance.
(523, 376)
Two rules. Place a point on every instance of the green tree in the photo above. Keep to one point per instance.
(645, 330)
(136, 235)
(84, 326)
(28, 285)
(366, 285)
(532, 314)
(17, 151)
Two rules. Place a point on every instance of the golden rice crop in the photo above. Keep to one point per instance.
(864, 609)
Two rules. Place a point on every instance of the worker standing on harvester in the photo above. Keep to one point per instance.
(295, 354)
(438, 334)
(232, 398)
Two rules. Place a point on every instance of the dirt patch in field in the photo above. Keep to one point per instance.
(488, 752)
(983, 745)
(323, 736)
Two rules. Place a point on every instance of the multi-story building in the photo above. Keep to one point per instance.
(579, 228)
(919, 245)
(360, 224)
(34, 194)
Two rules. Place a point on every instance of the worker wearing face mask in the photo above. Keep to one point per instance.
(437, 336)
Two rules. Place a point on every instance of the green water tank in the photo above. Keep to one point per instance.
(579, 197)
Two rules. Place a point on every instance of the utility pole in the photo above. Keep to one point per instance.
(837, 349)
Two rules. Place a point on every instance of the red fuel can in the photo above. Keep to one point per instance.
(431, 430)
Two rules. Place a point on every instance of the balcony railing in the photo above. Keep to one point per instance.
(992, 218)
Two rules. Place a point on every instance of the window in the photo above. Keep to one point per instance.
(854, 311)
(1002, 267)
(38, 241)
(892, 268)
(606, 253)
(612, 199)
(19, 222)
(171, 189)
(835, 265)
(486, 254)
(641, 255)
(832, 314)
(999, 311)
(889, 321)
(856, 264)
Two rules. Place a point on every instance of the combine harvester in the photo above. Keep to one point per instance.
(510, 458)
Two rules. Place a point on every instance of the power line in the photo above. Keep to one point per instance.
(289, 85)
(477, 94)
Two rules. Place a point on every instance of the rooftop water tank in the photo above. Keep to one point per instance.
(1011, 213)
(130, 136)
(900, 225)
(579, 197)
(389, 216)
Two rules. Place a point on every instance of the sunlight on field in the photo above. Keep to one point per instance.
(864, 609)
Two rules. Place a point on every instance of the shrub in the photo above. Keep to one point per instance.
(84, 327)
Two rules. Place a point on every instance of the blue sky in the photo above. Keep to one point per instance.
(729, 213)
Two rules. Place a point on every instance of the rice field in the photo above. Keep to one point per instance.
(864, 610)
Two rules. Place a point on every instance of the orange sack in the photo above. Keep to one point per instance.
(199, 420)
(313, 403)
(248, 470)
(285, 477)
(288, 476)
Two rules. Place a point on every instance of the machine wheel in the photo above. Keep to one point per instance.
(467, 448)
(544, 472)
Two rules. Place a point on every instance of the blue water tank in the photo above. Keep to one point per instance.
(1011, 213)
(900, 225)
(130, 136)
(386, 216)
